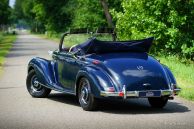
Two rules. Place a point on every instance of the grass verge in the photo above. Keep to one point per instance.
(6, 41)
(54, 38)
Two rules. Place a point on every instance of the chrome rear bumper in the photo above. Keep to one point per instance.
(127, 94)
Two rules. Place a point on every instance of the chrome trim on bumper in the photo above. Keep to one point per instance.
(106, 93)
(176, 91)
(136, 93)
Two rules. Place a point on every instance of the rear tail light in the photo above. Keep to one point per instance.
(96, 62)
(121, 94)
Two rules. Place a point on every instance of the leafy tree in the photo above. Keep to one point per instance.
(88, 14)
(19, 9)
(169, 21)
(58, 16)
(44, 15)
(52, 13)
(5, 12)
(94, 13)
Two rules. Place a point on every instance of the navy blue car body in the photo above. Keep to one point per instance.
(98, 69)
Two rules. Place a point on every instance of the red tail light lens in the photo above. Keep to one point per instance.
(121, 94)
(96, 62)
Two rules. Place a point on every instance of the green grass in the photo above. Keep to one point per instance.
(184, 73)
(54, 38)
(6, 42)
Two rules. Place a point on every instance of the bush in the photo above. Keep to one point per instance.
(169, 21)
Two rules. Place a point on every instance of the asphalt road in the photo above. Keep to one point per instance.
(18, 110)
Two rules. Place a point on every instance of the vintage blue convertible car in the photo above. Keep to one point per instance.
(96, 70)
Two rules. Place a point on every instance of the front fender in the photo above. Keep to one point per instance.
(98, 78)
(44, 70)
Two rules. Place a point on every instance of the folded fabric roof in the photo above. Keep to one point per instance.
(99, 47)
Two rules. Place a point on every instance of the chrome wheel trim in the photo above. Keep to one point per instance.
(35, 86)
(84, 92)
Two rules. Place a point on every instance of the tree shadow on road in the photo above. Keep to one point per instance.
(130, 106)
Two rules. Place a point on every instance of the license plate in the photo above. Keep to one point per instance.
(149, 94)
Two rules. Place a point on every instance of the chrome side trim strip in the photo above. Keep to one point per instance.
(52, 88)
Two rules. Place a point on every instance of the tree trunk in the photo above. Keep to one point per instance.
(107, 13)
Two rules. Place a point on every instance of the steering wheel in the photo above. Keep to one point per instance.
(70, 49)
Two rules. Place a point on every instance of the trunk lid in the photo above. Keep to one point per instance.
(137, 71)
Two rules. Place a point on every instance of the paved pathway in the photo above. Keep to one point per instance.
(18, 110)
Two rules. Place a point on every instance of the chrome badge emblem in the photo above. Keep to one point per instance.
(140, 67)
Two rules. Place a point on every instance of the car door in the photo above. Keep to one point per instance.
(67, 68)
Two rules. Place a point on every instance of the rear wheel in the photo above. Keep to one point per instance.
(158, 102)
(86, 99)
(34, 88)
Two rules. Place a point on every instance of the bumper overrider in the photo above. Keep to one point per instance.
(141, 94)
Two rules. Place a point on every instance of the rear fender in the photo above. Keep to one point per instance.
(45, 71)
(170, 77)
(98, 79)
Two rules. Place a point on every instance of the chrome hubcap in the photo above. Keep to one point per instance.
(35, 83)
(84, 93)
(35, 86)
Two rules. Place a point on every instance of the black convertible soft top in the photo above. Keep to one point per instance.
(99, 47)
